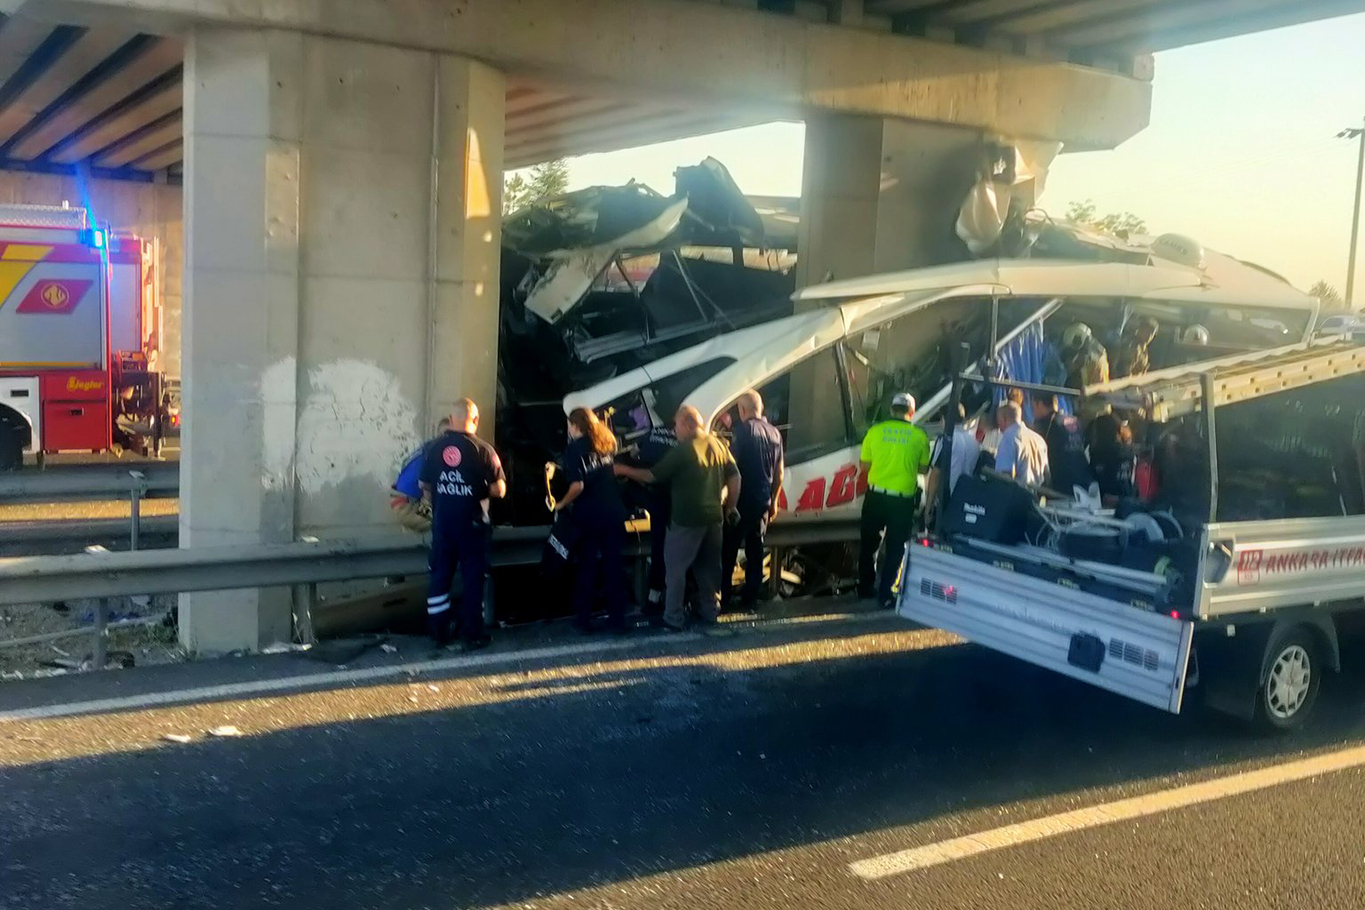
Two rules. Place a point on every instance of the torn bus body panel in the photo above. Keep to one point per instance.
(572, 272)
(597, 282)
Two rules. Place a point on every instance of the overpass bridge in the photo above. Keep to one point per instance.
(342, 172)
(111, 98)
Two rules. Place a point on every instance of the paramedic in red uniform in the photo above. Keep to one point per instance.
(461, 471)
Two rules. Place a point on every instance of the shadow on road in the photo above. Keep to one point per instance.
(596, 778)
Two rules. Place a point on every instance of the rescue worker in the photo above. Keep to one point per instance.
(966, 454)
(1133, 356)
(460, 472)
(652, 449)
(1113, 457)
(1067, 465)
(600, 515)
(894, 453)
(407, 502)
(757, 449)
(1086, 360)
(1022, 453)
(703, 481)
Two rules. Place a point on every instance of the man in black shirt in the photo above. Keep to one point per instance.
(652, 449)
(757, 448)
(461, 471)
(1065, 445)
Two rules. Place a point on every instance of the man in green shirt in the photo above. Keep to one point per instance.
(703, 483)
(894, 454)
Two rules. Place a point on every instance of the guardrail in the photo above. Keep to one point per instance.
(91, 482)
(88, 530)
(86, 482)
(302, 566)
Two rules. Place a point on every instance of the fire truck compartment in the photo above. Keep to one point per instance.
(84, 385)
(75, 426)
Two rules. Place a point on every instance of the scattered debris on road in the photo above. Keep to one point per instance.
(224, 731)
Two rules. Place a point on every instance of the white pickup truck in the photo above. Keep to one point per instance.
(1241, 597)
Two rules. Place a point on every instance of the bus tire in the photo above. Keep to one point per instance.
(1290, 682)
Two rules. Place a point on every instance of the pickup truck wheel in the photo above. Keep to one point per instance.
(1290, 688)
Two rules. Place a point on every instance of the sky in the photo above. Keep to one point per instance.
(1241, 152)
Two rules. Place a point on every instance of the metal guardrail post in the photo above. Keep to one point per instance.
(100, 652)
(305, 595)
(135, 511)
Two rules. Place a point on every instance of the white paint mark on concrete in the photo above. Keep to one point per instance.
(947, 851)
(355, 423)
(279, 391)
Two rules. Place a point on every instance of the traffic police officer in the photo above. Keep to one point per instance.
(894, 454)
(461, 473)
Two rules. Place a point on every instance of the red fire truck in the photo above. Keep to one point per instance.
(80, 336)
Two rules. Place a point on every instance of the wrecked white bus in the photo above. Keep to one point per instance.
(826, 372)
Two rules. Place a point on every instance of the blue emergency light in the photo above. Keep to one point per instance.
(94, 238)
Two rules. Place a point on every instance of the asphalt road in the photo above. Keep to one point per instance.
(736, 773)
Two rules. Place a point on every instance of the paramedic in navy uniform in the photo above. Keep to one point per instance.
(594, 503)
(460, 473)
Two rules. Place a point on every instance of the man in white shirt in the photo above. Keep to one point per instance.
(1022, 453)
(966, 451)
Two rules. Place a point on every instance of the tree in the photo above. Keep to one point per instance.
(545, 181)
(1120, 223)
(1331, 299)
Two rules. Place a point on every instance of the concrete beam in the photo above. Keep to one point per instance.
(700, 54)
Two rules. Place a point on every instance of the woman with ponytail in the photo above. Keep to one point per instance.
(594, 501)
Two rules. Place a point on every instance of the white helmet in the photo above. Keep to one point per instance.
(1076, 335)
(1194, 335)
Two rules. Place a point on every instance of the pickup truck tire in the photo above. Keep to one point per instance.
(1293, 674)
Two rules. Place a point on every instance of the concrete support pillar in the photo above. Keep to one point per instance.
(341, 211)
(881, 195)
(877, 196)
(846, 12)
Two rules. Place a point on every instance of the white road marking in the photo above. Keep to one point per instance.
(290, 683)
(947, 851)
(368, 674)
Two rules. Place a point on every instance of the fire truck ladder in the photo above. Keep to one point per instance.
(1180, 390)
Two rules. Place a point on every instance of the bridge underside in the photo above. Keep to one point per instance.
(110, 98)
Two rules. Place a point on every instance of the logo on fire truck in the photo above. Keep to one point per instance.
(56, 295)
(83, 385)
